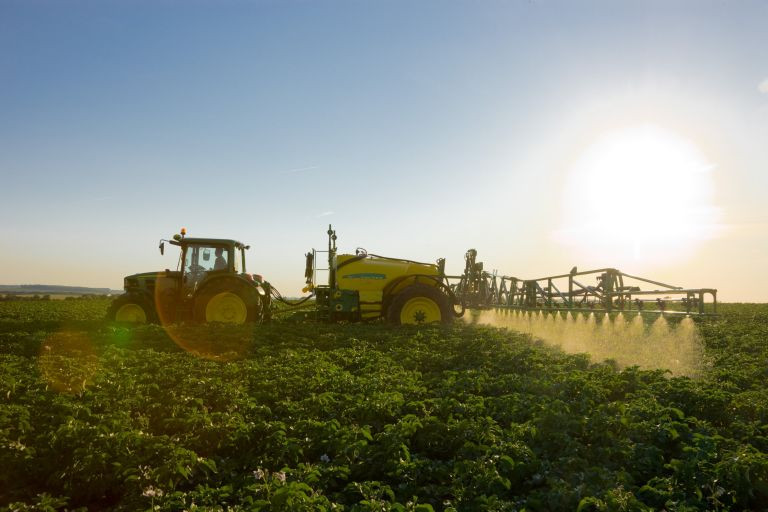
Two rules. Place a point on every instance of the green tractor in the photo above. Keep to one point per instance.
(209, 285)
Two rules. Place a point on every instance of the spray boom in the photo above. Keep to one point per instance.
(614, 291)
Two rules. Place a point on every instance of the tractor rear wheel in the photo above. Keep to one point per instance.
(227, 302)
(420, 304)
(131, 308)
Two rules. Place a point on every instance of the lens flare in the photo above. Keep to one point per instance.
(212, 341)
(68, 361)
(220, 342)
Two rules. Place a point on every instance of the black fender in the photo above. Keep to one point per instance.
(237, 280)
(403, 282)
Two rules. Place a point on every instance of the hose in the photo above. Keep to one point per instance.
(279, 297)
(399, 259)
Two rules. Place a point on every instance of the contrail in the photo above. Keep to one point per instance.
(300, 169)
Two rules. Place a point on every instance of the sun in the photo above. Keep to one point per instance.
(639, 194)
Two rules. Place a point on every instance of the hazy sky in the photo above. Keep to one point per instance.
(545, 134)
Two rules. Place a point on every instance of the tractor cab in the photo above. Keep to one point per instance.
(203, 258)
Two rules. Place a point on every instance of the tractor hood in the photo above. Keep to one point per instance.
(140, 281)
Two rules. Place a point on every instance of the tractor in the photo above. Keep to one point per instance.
(209, 285)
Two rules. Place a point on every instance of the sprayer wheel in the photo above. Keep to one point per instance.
(420, 304)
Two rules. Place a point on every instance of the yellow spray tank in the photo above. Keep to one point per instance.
(366, 286)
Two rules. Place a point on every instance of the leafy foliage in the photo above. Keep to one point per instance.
(368, 417)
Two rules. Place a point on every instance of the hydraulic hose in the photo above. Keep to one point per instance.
(279, 297)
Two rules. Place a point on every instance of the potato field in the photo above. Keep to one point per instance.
(95, 416)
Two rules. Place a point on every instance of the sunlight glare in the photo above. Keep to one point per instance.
(638, 194)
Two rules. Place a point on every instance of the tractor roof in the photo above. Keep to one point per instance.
(208, 241)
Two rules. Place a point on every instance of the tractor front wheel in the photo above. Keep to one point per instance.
(420, 304)
(130, 308)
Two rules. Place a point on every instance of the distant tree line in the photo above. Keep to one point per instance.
(11, 296)
(19, 297)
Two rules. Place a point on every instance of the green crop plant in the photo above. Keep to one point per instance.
(95, 416)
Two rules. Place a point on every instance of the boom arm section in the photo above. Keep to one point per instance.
(612, 291)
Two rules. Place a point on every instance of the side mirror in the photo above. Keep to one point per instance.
(162, 248)
(206, 254)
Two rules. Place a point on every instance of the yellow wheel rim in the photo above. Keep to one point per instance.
(131, 313)
(420, 310)
(226, 307)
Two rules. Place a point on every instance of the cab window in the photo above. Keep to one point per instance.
(238, 258)
(205, 259)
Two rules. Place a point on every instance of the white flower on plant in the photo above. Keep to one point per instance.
(281, 476)
(258, 474)
(151, 492)
(325, 458)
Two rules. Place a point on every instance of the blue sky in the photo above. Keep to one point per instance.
(418, 128)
